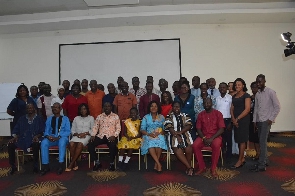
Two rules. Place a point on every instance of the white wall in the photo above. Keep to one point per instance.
(221, 51)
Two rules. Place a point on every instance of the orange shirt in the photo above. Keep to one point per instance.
(124, 104)
(95, 102)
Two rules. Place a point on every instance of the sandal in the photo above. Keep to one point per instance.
(68, 169)
(75, 168)
(190, 171)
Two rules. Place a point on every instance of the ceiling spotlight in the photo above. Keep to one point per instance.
(286, 36)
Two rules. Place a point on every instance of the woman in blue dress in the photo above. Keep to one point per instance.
(187, 101)
(17, 106)
(153, 139)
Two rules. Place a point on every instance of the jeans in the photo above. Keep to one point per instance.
(263, 132)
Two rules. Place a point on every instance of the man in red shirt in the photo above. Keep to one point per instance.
(210, 126)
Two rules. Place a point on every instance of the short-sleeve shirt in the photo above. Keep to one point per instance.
(47, 104)
(210, 123)
(71, 105)
(95, 102)
(124, 104)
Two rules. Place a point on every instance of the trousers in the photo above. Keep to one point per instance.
(61, 143)
(98, 141)
(263, 132)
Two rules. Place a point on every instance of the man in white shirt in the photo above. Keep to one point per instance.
(223, 104)
(212, 90)
(44, 102)
(59, 98)
(196, 91)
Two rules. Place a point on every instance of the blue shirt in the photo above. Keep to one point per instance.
(187, 106)
(216, 92)
(26, 130)
(18, 106)
(110, 99)
(65, 128)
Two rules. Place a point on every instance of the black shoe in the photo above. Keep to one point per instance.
(256, 169)
(59, 171)
(235, 167)
(96, 167)
(44, 171)
(266, 165)
(13, 170)
(112, 167)
(35, 170)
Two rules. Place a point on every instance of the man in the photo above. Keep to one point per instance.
(66, 85)
(210, 126)
(77, 82)
(44, 102)
(146, 99)
(59, 98)
(223, 104)
(94, 98)
(163, 84)
(106, 129)
(124, 101)
(212, 90)
(84, 86)
(196, 86)
(40, 87)
(111, 96)
(26, 134)
(34, 93)
(57, 131)
(199, 106)
(176, 89)
(100, 87)
(136, 90)
(182, 79)
(266, 109)
(151, 79)
(119, 81)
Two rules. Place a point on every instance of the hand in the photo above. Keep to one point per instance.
(229, 127)
(208, 141)
(179, 139)
(12, 140)
(35, 138)
(81, 135)
(55, 139)
(92, 138)
(255, 127)
(269, 122)
(112, 139)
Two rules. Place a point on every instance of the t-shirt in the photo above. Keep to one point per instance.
(124, 104)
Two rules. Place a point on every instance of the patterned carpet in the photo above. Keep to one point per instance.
(279, 179)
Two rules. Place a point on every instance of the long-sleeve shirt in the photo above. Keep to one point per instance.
(63, 131)
(267, 105)
(106, 125)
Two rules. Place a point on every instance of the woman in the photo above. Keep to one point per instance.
(178, 124)
(187, 101)
(72, 102)
(81, 129)
(166, 103)
(253, 134)
(153, 140)
(17, 106)
(239, 110)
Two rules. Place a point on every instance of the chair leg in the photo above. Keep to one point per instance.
(167, 160)
(139, 160)
(40, 159)
(221, 155)
(17, 159)
(145, 160)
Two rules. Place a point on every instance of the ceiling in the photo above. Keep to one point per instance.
(23, 16)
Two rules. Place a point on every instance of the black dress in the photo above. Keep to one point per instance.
(242, 132)
(253, 135)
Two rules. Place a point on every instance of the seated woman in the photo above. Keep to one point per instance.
(153, 140)
(81, 129)
(180, 140)
(166, 101)
(131, 139)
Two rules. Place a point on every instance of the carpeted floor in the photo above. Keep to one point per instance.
(277, 180)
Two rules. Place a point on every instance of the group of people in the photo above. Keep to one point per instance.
(183, 121)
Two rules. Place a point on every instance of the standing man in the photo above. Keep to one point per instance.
(151, 79)
(266, 109)
(106, 129)
(111, 96)
(77, 82)
(66, 85)
(59, 98)
(124, 101)
(119, 81)
(94, 98)
(212, 90)
(40, 87)
(146, 99)
(34, 93)
(196, 86)
(44, 102)
(163, 84)
(57, 131)
(210, 126)
(223, 104)
(176, 89)
(84, 86)
(26, 134)
(136, 90)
